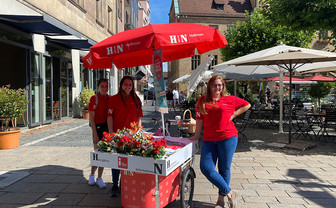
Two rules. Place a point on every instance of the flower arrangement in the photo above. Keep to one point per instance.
(133, 142)
(285, 92)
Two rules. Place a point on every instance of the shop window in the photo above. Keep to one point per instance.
(195, 61)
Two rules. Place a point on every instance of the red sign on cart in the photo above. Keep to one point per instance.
(123, 162)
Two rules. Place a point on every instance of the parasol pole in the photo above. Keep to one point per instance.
(290, 103)
(281, 101)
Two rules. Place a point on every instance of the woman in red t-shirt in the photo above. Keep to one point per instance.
(98, 122)
(214, 113)
(123, 109)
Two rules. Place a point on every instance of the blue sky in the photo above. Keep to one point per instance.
(159, 11)
(159, 15)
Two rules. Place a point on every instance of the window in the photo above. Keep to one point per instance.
(119, 6)
(99, 7)
(323, 35)
(214, 61)
(220, 7)
(195, 61)
(216, 26)
(79, 3)
(110, 20)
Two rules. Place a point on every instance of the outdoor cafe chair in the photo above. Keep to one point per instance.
(241, 123)
(328, 128)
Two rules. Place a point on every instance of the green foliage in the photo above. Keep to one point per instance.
(320, 90)
(84, 98)
(258, 33)
(308, 15)
(13, 103)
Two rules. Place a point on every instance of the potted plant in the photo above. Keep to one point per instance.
(84, 99)
(13, 103)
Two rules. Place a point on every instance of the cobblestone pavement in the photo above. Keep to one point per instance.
(51, 167)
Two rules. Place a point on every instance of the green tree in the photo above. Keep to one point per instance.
(308, 15)
(320, 90)
(258, 33)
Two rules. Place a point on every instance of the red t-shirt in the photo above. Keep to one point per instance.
(123, 115)
(217, 124)
(100, 109)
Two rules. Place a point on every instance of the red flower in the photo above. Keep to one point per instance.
(120, 144)
(136, 143)
(156, 151)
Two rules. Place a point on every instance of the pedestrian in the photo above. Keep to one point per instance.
(98, 122)
(169, 97)
(214, 113)
(181, 97)
(175, 97)
(123, 109)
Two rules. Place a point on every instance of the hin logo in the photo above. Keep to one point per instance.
(94, 156)
(178, 38)
(123, 162)
(157, 168)
(115, 49)
(89, 60)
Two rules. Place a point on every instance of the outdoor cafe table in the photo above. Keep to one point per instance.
(264, 117)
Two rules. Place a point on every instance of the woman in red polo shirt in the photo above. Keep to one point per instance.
(214, 113)
(123, 109)
(98, 122)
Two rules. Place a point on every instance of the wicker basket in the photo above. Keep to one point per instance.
(191, 124)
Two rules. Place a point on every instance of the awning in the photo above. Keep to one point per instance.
(71, 41)
(19, 16)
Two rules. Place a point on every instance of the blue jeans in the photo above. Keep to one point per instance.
(223, 151)
(115, 176)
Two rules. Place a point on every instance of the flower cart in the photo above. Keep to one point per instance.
(154, 170)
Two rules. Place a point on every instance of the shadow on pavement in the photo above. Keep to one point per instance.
(311, 188)
(54, 186)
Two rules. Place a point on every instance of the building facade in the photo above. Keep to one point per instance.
(43, 43)
(215, 13)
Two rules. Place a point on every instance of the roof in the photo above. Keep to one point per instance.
(229, 8)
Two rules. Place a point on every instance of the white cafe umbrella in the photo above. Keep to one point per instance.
(184, 79)
(286, 57)
(198, 74)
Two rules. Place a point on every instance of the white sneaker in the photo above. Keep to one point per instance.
(100, 183)
(92, 180)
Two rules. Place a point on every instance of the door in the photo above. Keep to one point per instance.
(35, 92)
(47, 101)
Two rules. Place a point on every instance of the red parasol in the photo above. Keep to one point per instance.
(135, 47)
(285, 79)
(320, 78)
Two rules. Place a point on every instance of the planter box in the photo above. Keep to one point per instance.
(177, 156)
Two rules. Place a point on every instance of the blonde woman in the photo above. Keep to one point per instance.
(214, 113)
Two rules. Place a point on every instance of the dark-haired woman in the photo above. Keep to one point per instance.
(98, 122)
(214, 113)
(123, 109)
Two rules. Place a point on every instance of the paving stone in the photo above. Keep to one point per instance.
(100, 200)
(19, 198)
(57, 199)
(36, 187)
(286, 205)
(274, 193)
(291, 200)
(319, 201)
(259, 199)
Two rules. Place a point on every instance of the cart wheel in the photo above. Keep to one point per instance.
(187, 188)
